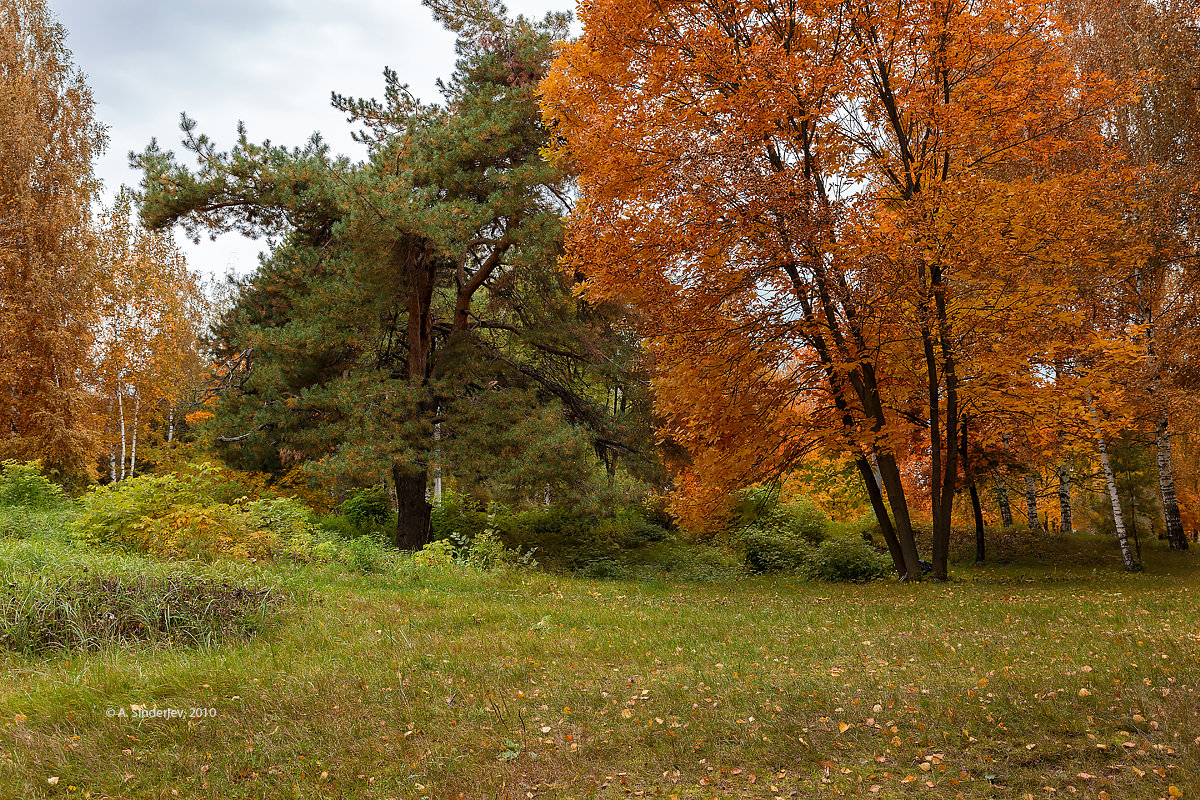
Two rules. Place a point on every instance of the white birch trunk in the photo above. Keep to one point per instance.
(1064, 499)
(1166, 475)
(121, 411)
(437, 464)
(1166, 484)
(1031, 511)
(137, 403)
(1006, 519)
(171, 425)
(1110, 480)
(112, 446)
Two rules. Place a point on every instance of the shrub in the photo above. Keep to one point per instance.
(369, 509)
(774, 549)
(365, 554)
(293, 528)
(200, 530)
(55, 613)
(23, 484)
(454, 517)
(628, 529)
(170, 516)
(122, 513)
(848, 560)
(435, 554)
(777, 536)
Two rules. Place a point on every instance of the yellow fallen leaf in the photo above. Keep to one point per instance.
(1174, 791)
(982, 683)
(1084, 693)
(908, 779)
(843, 727)
(626, 713)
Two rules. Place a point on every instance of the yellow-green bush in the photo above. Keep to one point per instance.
(176, 516)
(24, 485)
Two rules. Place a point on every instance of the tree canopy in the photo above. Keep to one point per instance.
(414, 298)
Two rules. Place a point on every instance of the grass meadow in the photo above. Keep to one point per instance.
(441, 681)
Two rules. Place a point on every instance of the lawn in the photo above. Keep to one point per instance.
(442, 682)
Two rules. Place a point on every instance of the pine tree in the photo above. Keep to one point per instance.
(417, 291)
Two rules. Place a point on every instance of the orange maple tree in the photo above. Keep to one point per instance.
(828, 212)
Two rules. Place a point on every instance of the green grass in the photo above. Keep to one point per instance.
(444, 682)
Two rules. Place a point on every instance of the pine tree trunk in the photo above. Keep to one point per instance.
(1110, 481)
(413, 511)
(980, 551)
(1006, 518)
(1031, 512)
(1166, 482)
(1064, 499)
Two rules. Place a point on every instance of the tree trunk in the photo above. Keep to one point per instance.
(881, 472)
(1031, 512)
(413, 511)
(1006, 519)
(437, 464)
(137, 404)
(112, 449)
(121, 411)
(1166, 483)
(1066, 525)
(1131, 563)
(980, 553)
(1137, 543)
(870, 477)
(1166, 477)
(894, 486)
(171, 425)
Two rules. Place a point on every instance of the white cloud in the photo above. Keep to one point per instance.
(269, 63)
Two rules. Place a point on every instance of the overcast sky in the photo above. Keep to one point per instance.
(271, 63)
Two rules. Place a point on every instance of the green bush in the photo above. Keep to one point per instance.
(369, 509)
(119, 513)
(23, 484)
(365, 554)
(628, 529)
(774, 549)
(777, 536)
(848, 560)
(294, 529)
(171, 516)
(455, 517)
